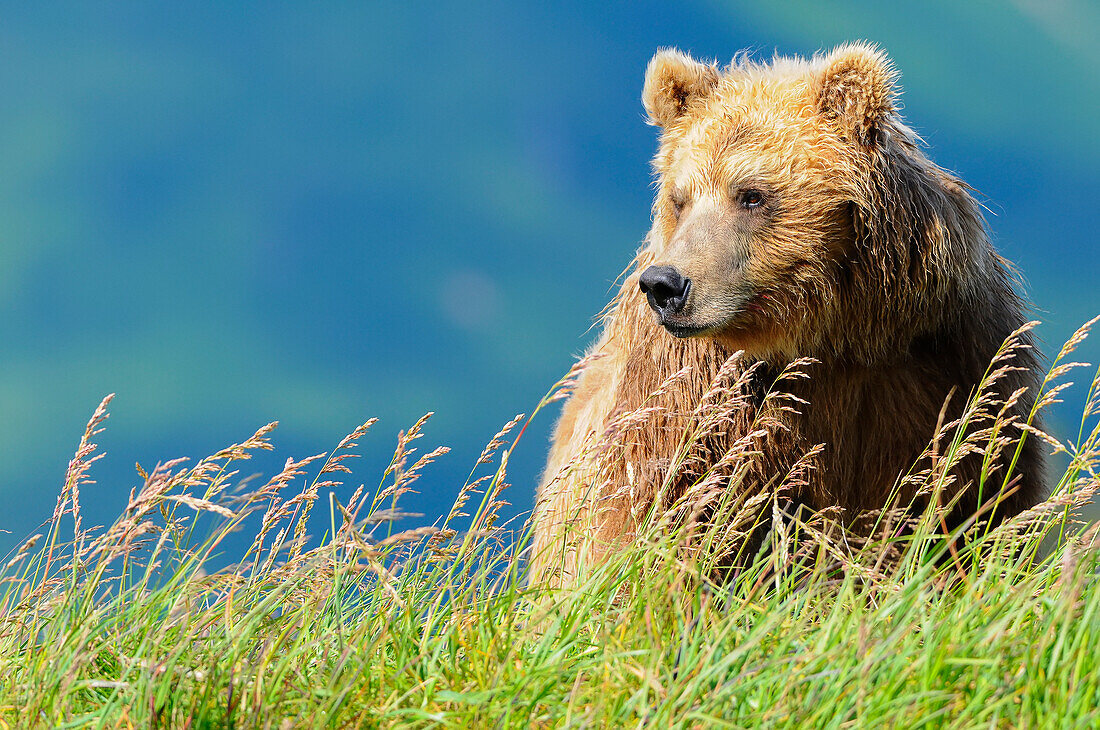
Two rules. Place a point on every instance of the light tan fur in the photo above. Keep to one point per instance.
(864, 255)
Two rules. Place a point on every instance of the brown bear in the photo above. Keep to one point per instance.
(796, 217)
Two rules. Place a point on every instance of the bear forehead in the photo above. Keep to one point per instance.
(753, 122)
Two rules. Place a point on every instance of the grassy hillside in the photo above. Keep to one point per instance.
(123, 626)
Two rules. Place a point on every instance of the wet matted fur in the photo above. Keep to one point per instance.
(819, 241)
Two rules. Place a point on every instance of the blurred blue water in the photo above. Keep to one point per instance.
(318, 214)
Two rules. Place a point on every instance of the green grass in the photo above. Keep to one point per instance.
(365, 626)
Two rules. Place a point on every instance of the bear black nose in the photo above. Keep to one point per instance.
(665, 289)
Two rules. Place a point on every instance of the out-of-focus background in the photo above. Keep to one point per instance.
(321, 213)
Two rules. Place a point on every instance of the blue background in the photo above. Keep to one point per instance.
(319, 214)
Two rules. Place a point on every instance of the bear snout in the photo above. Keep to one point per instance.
(665, 289)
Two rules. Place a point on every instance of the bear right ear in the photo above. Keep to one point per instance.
(672, 81)
(856, 87)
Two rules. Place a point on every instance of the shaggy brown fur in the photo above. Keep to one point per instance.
(810, 225)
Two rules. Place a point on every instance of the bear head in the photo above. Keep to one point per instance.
(793, 206)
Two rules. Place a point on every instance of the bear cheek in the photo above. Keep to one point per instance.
(667, 225)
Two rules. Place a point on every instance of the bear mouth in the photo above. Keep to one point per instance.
(745, 306)
(684, 330)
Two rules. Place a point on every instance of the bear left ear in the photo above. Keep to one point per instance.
(673, 80)
(856, 87)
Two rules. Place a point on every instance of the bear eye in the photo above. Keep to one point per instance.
(750, 199)
(679, 200)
